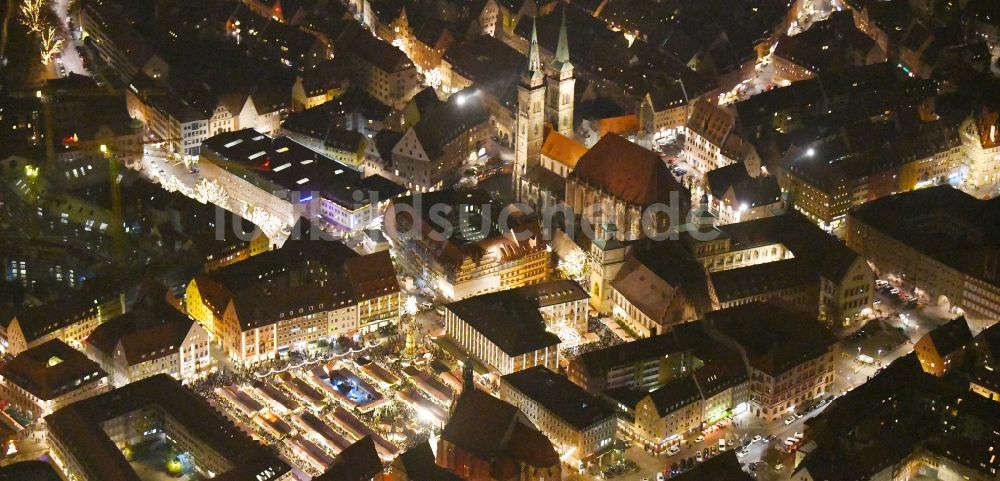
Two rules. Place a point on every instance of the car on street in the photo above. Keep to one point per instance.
(757, 438)
(799, 435)
(722, 445)
(659, 476)
(673, 450)
(699, 458)
(790, 420)
(779, 467)
(699, 439)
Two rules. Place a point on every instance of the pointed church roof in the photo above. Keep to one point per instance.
(561, 61)
(534, 72)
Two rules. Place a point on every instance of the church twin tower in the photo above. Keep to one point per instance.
(543, 97)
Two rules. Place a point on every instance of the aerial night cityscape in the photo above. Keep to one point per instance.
(499, 240)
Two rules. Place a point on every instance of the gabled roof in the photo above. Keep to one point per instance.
(36, 322)
(144, 335)
(724, 467)
(628, 172)
(464, 111)
(279, 282)
(675, 395)
(418, 464)
(661, 278)
(491, 430)
(379, 53)
(359, 462)
(952, 336)
(563, 149)
(752, 191)
(711, 122)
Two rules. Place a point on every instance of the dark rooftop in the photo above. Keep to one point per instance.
(508, 319)
(51, 369)
(776, 336)
(79, 425)
(942, 223)
(951, 336)
(560, 396)
(489, 428)
(675, 395)
(359, 462)
(724, 467)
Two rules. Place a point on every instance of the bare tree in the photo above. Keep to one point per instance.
(33, 15)
(50, 43)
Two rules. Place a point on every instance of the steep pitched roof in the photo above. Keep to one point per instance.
(359, 462)
(418, 464)
(144, 335)
(563, 149)
(628, 172)
(952, 336)
(491, 429)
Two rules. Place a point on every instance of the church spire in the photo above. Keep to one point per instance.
(534, 59)
(562, 50)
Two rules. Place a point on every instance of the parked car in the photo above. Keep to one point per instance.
(699, 458)
(799, 436)
(779, 467)
(789, 420)
(673, 450)
(699, 439)
(757, 438)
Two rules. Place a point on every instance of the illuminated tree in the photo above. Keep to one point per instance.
(270, 224)
(35, 19)
(50, 44)
(575, 266)
(32, 14)
(210, 191)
